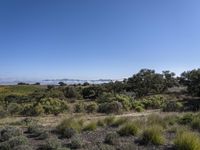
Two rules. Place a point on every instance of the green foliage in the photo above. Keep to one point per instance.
(119, 121)
(139, 109)
(191, 79)
(125, 101)
(196, 123)
(109, 120)
(23, 147)
(145, 82)
(53, 105)
(92, 126)
(128, 129)
(71, 92)
(112, 107)
(173, 106)
(153, 135)
(18, 140)
(79, 108)
(9, 132)
(52, 144)
(38, 110)
(187, 141)
(14, 108)
(186, 119)
(92, 107)
(68, 133)
(69, 123)
(155, 119)
(111, 138)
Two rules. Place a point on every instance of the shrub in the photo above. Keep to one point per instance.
(69, 123)
(112, 107)
(3, 112)
(124, 100)
(51, 144)
(153, 135)
(38, 109)
(196, 124)
(68, 133)
(109, 120)
(90, 127)
(53, 105)
(92, 107)
(76, 143)
(80, 107)
(139, 109)
(172, 106)
(119, 121)
(111, 138)
(23, 147)
(14, 108)
(100, 123)
(128, 129)
(187, 141)
(18, 140)
(9, 132)
(186, 119)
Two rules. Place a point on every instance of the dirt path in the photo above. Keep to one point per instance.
(52, 121)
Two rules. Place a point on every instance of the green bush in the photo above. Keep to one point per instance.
(68, 133)
(23, 147)
(186, 119)
(38, 110)
(128, 129)
(172, 106)
(9, 132)
(119, 121)
(112, 107)
(53, 105)
(111, 138)
(92, 126)
(52, 144)
(187, 141)
(69, 123)
(92, 107)
(109, 120)
(196, 124)
(139, 109)
(14, 108)
(153, 135)
(79, 108)
(125, 101)
(18, 140)
(100, 123)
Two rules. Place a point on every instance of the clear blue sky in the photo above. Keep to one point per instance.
(91, 39)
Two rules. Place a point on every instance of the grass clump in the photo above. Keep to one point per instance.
(69, 123)
(51, 144)
(187, 141)
(153, 135)
(128, 129)
(111, 138)
(119, 121)
(10, 132)
(92, 126)
(196, 124)
(156, 120)
(109, 120)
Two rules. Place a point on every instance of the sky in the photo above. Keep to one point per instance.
(94, 39)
